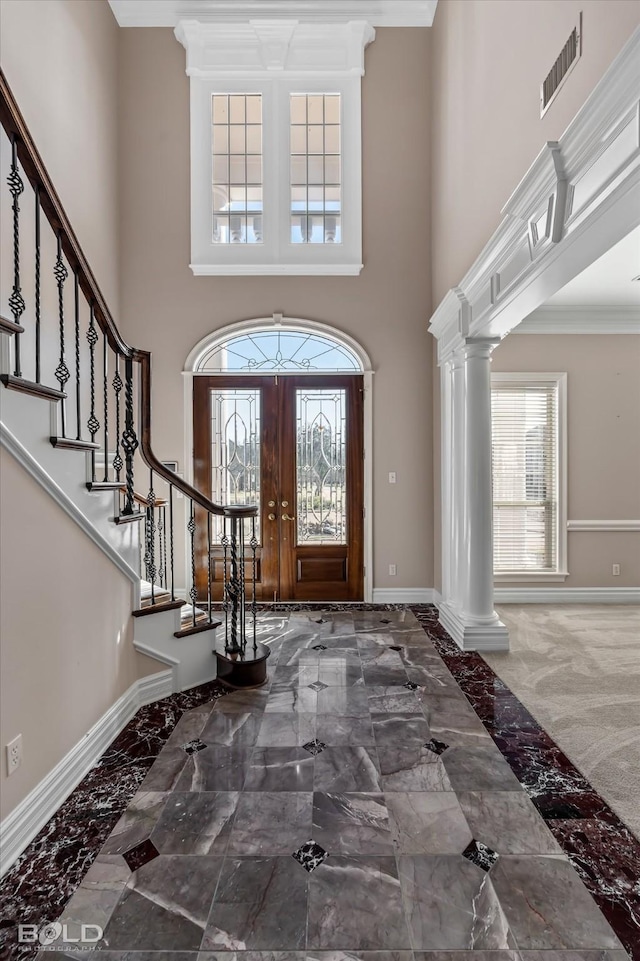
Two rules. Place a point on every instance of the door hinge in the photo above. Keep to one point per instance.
(364, 511)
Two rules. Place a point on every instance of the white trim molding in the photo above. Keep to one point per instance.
(492, 636)
(567, 595)
(603, 525)
(405, 595)
(276, 270)
(11, 443)
(581, 320)
(167, 13)
(23, 823)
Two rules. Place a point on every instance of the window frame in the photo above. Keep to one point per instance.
(558, 381)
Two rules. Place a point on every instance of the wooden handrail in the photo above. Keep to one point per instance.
(32, 164)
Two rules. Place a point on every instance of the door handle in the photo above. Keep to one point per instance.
(271, 517)
(286, 517)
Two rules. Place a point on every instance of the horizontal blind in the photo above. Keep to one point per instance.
(525, 477)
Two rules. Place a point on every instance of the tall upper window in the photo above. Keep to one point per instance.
(275, 146)
(528, 487)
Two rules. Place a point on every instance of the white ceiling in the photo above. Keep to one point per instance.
(608, 282)
(379, 13)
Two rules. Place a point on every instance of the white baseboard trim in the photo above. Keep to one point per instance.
(567, 595)
(11, 443)
(21, 826)
(405, 595)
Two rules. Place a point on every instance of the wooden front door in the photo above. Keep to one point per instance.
(292, 445)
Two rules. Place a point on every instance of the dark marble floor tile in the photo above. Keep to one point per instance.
(355, 903)
(195, 823)
(352, 823)
(166, 770)
(357, 955)
(451, 904)
(339, 670)
(347, 769)
(374, 641)
(393, 700)
(547, 905)
(271, 823)
(583, 954)
(427, 823)
(260, 904)
(286, 730)
(166, 902)
(507, 822)
(292, 677)
(479, 769)
(345, 701)
(137, 822)
(337, 731)
(392, 730)
(243, 702)
(504, 955)
(280, 769)
(190, 725)
(216, 768)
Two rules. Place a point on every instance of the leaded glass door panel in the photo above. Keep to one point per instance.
(293, 445)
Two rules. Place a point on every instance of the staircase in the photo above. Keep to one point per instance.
(77, 406)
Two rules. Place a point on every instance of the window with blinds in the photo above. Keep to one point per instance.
(525, 476)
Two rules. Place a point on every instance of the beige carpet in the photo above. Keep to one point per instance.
(577, 669)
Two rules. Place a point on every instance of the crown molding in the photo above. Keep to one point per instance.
(581, 320)
(379, 13)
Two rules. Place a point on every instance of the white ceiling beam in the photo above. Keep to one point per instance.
(379, 13)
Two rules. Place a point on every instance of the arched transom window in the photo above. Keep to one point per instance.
(279, 351)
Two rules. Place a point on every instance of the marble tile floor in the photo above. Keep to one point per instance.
(357, 808)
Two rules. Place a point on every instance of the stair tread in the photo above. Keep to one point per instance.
(31, 387)
(70, 443)
(9, 326)
(157, 608)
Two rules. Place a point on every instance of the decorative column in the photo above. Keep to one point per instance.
(446, 440)
(458, 547)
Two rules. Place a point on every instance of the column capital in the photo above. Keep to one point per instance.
(481, 347)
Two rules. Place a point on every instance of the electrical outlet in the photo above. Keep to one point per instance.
(392, 570)
(392, 477)
(615, 570)
(14, 754)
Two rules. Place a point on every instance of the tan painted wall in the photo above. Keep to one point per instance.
(60, 58)
(489, 58)
(167, 310)
(603, 410)
(66, 628)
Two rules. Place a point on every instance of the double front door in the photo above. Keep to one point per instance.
(293, 446)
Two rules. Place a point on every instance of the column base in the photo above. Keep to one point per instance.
(469, 636)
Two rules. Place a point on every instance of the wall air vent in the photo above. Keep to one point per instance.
(567, 59)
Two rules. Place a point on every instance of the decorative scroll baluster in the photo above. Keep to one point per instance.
(93, 424)
(233, 591)
(225, 575)
(37, 285)
(173, 589)
(209, 566)
(62, 374)
(161, 555)
(150, 539)
(105, 404)
(253, 543)
(117, 385)
(16, 300)
(129, 439)
(76, 312)
(193, 593)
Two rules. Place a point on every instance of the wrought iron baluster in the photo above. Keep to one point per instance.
(62, 374)
(150, 537)
(225, 597)
(193, 593)
(129, 439)
(16, 300)
(173, 589)
(117, 385)
(160, 529)
(37, 285)
(93, 424)
(254, 568)
(209, 565)
(76, 311)
(233, 590)
(242, 597)
(105, 404)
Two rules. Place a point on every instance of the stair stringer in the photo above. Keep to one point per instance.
(190, 658)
